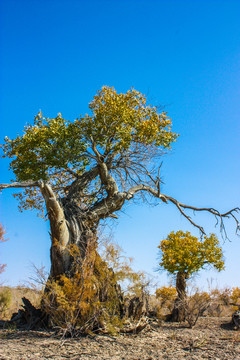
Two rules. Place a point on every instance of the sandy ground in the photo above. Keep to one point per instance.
(211, 338)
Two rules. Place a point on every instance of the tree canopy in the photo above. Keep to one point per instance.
(185, 253)
(122, 134)
(98, 161)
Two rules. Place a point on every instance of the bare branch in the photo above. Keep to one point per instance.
(82, 182)
(23, 184)
(180, 206)
(70, 171)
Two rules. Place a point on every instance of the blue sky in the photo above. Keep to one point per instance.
(184, 55)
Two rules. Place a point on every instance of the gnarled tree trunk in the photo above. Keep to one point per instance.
(69, 225)
(178, 313)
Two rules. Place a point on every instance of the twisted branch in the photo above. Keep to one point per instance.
(180, 206)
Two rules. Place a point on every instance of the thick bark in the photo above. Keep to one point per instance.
(178, 313)
(69, 225)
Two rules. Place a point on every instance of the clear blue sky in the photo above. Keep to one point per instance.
(184, 55)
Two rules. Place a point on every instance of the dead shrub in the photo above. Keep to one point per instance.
(194, 305)
(222, 296)
(224, 301)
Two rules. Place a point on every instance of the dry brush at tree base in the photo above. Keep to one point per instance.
(103, 160)
(91, 300)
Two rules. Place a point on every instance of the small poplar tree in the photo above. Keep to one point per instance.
(183, 255)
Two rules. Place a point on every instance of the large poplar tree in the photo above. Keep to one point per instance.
(84, 171)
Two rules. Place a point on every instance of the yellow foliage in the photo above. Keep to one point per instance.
(119, 120)
(235, 295)
(132, 282)
(166, 293)
(184, 253)
(74, 303)
(166, 296)
(117, 123)
(90, 298)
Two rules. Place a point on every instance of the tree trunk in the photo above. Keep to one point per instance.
(69, 226)
(178, 313)
(72, 226)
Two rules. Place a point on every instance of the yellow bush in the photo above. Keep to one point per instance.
(235, 295)
(166, 294)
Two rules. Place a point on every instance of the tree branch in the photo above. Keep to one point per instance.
(23, 184)
(180, 206)
(81, 183)
(107, 180)
(70, 171)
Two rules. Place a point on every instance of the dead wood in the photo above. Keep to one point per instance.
(29, 317)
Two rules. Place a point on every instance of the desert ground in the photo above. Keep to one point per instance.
(211, 338)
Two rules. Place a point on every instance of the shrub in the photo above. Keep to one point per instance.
(75, 304)
(235, 295)
(195, 305)
(2, 239)
(133, 283)
(166, 294)
(5, 300)
(223, 296)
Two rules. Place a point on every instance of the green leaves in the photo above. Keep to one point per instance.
(45, 147)
(119, 120)
(182, 252)
(57, 151)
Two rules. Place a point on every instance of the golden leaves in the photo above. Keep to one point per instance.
(119, 120)
(182, 252)
(51, 146)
